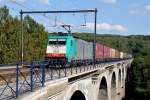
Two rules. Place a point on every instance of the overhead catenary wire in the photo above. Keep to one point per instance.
(44, 15)
(74, 4)
(85, 16)
(56, 21)
(17, 10)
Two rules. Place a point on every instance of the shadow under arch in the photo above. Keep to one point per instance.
(78, 95)
(113, 87)
(119, 85)
(128, 74)
(122, 73)
(119, 75)
(103, 94)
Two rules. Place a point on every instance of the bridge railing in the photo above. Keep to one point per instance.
(14, 80)
(20, 78)
(7, 89)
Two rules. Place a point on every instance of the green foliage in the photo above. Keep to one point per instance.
(35, 38)
(142, 91)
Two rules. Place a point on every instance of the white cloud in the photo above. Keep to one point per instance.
(147, 8)
(109, 1)
(42, 1)
(133, 12)
(118, 28)
(107, 27)
(45, 1)
(19, 0)
(144, 10)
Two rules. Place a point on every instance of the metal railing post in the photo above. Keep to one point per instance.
(43, 74)
(84, 68)
(51, 69)
(71, 70)
(31, 76)
(65, 71)
(59, 71)
(17, 80)
(76, 69)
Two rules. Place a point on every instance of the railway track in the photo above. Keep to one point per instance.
(10, 72)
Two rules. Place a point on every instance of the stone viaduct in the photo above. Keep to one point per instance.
(105, 82)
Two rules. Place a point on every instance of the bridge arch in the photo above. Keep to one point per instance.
(113, 86)
(123, 73)
(103, 92)
(78, 95)
(119, 78)
(119, 87)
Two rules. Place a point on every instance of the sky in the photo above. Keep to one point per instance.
(123, 17)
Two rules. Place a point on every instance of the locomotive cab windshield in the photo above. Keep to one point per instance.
(56, 47)
(57, 41)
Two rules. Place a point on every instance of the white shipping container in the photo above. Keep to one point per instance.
(84, 50)
(121, 54)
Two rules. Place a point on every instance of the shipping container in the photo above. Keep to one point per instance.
(99, 50)
(117, 54)
(106, 52)
(84, 50)
(88, 50)
(112, 53)
(79, 49)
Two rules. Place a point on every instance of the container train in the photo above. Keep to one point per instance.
(67, 49)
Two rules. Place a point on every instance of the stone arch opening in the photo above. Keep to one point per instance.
(103, 94)
(113, 87)
(119, 77)
(119, 85)
(122, 73)
(78, 95)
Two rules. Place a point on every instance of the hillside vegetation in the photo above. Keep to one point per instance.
(35, 39)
